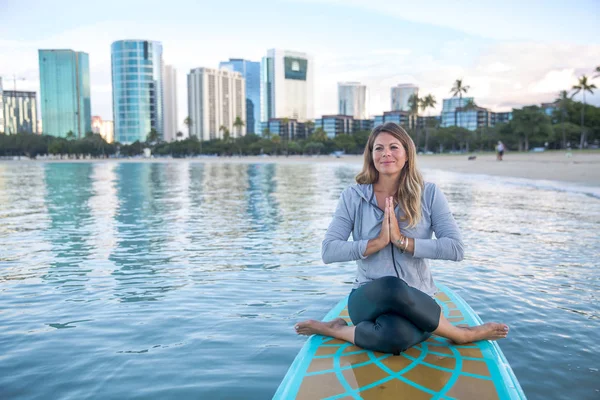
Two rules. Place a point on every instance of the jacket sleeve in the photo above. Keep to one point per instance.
(335, 246)
(449, 244)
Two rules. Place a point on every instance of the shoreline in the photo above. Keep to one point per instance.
(579, 167)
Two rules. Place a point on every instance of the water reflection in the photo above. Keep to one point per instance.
(138, 263)
(68, 191)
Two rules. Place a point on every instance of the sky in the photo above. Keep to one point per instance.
(510, 53)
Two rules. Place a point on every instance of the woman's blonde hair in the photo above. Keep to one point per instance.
(410, 181)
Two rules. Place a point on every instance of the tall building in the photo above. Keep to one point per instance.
(286, 81)
(400, 95)
(137, 83)
(103, 128)
(65, 92)
(352, 99)
(20, 112)
(215, 99)
(250, 70)
(170, 90)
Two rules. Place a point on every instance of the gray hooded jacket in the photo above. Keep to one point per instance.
(358, 213)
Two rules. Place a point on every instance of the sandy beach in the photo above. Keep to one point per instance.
(579, 167)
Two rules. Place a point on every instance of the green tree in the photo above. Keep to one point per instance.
(152, 137)
(562, 102)
(345, 142)
(530, 123)
(427, 102)
(70, 135)
(319, 135)
(597, 71)
(238, 124)
(361, 138)
(457, 90)
(413, 107)
(179, 135)
(583, 86)
(189, 123)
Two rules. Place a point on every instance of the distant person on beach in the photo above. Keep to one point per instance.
(392, 215)
(499, 151)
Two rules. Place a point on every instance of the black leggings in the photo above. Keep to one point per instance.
(391, 316)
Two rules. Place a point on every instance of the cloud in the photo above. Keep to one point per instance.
(502, 76)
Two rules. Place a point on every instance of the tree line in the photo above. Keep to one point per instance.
(572, 124)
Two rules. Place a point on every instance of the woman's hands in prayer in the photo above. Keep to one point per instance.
(395, 235)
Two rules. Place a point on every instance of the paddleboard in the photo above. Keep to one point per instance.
(327, 368)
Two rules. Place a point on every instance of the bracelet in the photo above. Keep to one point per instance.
(401, 242)
(405, 245)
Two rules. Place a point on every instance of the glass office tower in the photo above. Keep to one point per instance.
(250, 70)
(65, 92)
(137, 84)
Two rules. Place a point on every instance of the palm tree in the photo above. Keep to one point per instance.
(583, 86)
(238, 124)
(188, 122)
(562, 101)
(597, 71)
(426, 103)
(152, 137)
(413, 107)
(457, 90)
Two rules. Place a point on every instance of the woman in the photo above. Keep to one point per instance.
(392, 215)
(499, 151)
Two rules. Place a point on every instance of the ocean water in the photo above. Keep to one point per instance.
(184, 279)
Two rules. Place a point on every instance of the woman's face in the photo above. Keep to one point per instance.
(389, 155)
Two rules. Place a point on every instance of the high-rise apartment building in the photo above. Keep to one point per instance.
(352, 99)
(103, 128)
(400, 95)
(170, 91)
(65, 92)
(20, 112)
(216, 98)
(286, 81)
(137, 83)
(250, 70)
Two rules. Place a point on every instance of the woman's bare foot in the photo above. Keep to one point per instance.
(488, 331)
(312, 327)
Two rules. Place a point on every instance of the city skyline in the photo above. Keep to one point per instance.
(509, 59)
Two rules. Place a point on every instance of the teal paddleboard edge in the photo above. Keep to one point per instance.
(507, 376)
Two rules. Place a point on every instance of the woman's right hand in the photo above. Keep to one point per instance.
(384, 236)
(374, 245)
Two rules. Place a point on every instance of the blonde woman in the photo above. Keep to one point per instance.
(392, 215)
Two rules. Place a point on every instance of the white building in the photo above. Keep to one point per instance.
(215, 99)
(352, 99)
(401, 94)
(170, 102)
(286, 85)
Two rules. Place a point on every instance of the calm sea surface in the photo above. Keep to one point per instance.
(184, 279)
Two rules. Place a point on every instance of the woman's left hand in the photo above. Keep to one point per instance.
(395, 234)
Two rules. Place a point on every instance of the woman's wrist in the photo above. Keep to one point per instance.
(401, 242)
